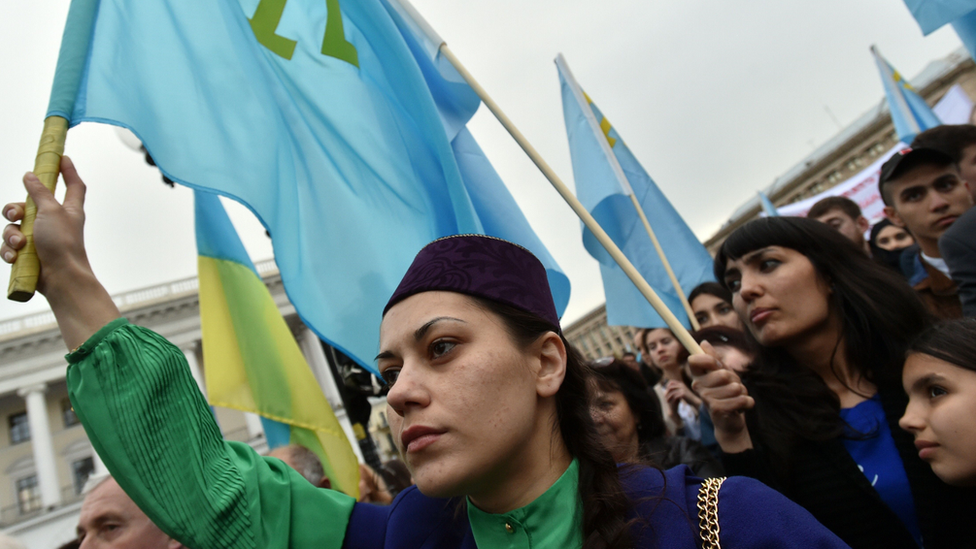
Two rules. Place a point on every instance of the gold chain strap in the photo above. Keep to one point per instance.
(708, 512)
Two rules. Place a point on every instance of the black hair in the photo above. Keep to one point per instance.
(605, 505)
(952, 341)
(842, 203)
(713, 289)
(723, 335)
(879, 314)
(617, 376)
(948, 138)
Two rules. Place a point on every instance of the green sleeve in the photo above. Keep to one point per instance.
(147, 420)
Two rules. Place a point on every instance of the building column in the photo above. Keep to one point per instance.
(190, 353)
(43, 446)
(315, 355)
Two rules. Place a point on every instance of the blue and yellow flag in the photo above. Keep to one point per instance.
(768, 207)
(251, 360)
(931, 15)
(607, 174)
(910, 114)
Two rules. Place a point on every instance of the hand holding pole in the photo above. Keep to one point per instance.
(47, 166)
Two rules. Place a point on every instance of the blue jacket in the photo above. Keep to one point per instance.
(750, 516)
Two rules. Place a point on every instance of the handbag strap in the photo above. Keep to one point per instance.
(708, 512)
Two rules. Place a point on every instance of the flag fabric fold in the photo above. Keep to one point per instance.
(333, 125)
(933, 14)
(910, 114)
(607, 174)
(252, 362)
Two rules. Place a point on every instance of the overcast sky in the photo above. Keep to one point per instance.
(715, 98)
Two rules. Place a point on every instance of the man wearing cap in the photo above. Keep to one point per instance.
(924, 193)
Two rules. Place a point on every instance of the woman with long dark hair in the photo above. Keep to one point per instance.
(628, 419)
(712, 304)
(816, 415)
(940, 379)
(487, 403)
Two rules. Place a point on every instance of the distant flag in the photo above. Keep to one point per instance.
(321, 121)
(606, 173)
(767, 205)
(251, 360)
(933, 14)
(910, 113)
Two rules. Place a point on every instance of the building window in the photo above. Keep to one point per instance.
(28, 494)
(19, 428)
(81, 470)
(68, 413)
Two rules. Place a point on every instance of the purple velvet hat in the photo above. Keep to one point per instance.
(480, 266)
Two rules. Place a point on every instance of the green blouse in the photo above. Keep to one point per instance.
(155, 432)
(546, 522)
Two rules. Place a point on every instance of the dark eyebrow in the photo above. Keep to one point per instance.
(753, 256)
(914, 188)
(420, 332)
(926, 380)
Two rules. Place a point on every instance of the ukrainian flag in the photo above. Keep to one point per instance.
(252, 362)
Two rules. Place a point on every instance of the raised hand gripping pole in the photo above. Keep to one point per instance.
(679, 330)
(47, 167)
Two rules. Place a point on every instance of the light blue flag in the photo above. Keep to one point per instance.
(499, 214)
(320, 121)
(767, 205)
(910, 114)
(933, 14)
(961, 14)
(606, 174)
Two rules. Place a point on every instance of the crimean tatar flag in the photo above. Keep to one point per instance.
(606, 174)
(314, 114)
(910, 114)
(252, 362)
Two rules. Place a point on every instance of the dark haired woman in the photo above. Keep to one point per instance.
(824, 396)
(628, 419)
(887, 242)
(487, 403)
(712, 304)
(940, 379)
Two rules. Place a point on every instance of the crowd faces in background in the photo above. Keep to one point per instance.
(628, 418)
(843, 215)
(924, 193)
(889, 242)
(816, 415)
(712, 304)
(940, 379)
(679, 403)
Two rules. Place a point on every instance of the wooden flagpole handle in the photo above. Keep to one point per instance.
(47, 167)
(679, 330)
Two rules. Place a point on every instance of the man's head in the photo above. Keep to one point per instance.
(630, 359)
(959, 142)
(923, 192)
(111, 520)
(844, 215)
(305, 462)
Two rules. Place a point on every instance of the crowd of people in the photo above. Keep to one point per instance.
(834, 404)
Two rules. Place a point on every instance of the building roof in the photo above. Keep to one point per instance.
(933, 72)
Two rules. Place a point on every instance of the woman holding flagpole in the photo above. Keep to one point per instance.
(487, 402)
(816, 415)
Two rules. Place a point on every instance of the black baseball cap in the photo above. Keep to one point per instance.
(909, 158)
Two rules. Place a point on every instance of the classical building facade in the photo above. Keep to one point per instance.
(855, 147)
(594, 338)
(45, 456)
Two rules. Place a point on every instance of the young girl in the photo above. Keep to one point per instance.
(940, 379)
(816, 417)
(487, 404)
